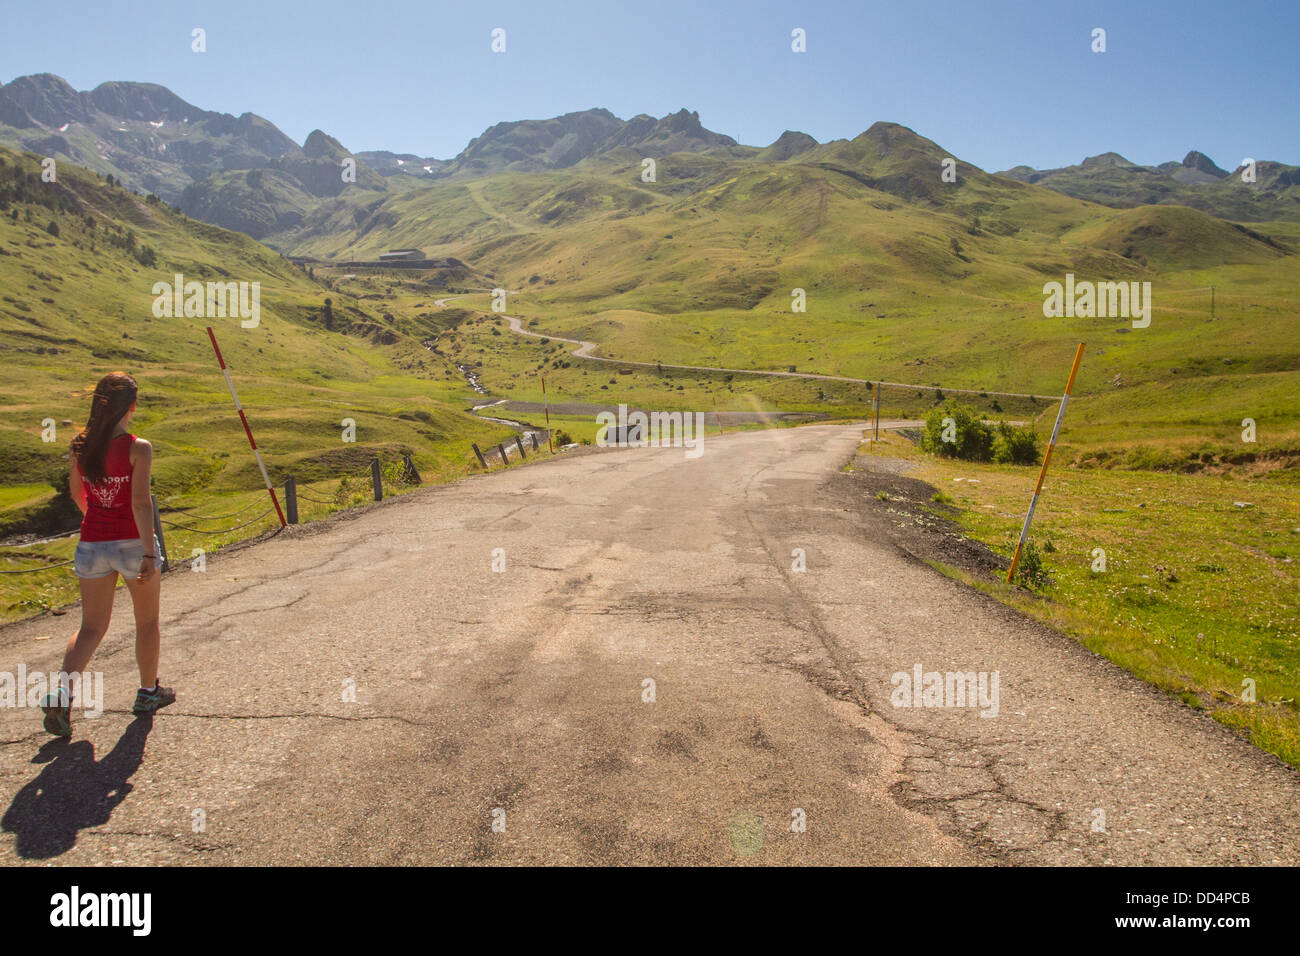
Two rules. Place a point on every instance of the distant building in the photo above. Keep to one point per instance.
(401, 255)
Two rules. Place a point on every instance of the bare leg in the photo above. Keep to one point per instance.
(96, 612)
(147, 637)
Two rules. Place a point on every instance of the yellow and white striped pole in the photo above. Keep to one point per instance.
(1038, 489)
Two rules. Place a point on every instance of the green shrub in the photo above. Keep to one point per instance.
(1016, 445)
(972, 438)
(395, 474)
(352, 491)
(1031, 571)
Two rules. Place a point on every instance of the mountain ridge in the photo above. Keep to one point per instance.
(242, 172)
(1197, 182)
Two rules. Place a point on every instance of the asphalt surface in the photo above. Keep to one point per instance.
(520, 696)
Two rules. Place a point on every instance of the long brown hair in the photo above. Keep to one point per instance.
(114, 396)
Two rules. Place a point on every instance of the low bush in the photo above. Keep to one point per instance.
(1016, 445)
(955, 430)
(1031, 571)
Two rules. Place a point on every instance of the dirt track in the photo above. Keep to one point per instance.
(586, 350)
(524, 691)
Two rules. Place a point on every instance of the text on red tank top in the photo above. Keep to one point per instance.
(109, 516)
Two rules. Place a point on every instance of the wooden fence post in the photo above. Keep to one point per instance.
(411, 473)
(502, 449)
(164, 564)
(877, 413)
(519, 443)
(376, 479)
(547, 402)
(479, 455)
(291, 499)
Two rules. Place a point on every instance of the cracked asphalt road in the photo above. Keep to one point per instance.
(522, 692)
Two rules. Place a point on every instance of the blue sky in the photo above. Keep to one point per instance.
(996, 83)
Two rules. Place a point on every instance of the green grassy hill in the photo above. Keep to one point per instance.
(1176, 238)
(78, 261)
(907, 278)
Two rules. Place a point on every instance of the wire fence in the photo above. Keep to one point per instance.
(408, 475)
(232, 514)
(320, 501)
(238, 527)
(341, 499)
(48, 567)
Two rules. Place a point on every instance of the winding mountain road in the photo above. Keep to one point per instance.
(648, 678)
(586, 350)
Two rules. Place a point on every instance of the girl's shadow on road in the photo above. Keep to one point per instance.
(73, 791)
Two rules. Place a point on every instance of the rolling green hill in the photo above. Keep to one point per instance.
(78, 262)
(908, 278)
(1175, 238)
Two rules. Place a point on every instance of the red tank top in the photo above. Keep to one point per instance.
(108, 503)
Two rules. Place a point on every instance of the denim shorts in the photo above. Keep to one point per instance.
(99, 559)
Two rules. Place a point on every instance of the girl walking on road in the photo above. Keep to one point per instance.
(108, 478)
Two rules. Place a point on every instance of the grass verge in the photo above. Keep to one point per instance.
(1186, 580)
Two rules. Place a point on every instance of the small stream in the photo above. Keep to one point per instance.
(522, 427)
(471, 376)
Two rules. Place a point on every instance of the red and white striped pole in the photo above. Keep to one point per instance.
(547, 405)
(248, 431)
